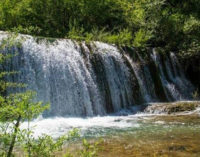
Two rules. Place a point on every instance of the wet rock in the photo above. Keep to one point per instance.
(172, 108)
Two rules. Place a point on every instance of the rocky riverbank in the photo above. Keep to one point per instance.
(173, 108)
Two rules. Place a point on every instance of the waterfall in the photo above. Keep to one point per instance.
(144, 79)
(88, 79)
(176, 86)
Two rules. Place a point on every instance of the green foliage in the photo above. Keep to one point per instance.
(5, 138)
(45, 145)
(73, 134)
(124, 37)
(89, 149)
(20, 104)
(159, 23)
(141, 38)
(15, 109)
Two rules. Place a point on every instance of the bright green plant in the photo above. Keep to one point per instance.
(89, 149)
(15, 109)
(141, 37)
(45, 145)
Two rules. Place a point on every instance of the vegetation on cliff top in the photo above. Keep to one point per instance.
(172, 24)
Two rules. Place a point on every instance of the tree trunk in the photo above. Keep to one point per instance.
(12, 144)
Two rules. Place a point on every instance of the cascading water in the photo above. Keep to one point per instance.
(176, 86)
(144, 79)
(80, 79)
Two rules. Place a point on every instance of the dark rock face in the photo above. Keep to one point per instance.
(192, 70)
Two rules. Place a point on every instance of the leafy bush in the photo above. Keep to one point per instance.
(45, 145)
(89, 150)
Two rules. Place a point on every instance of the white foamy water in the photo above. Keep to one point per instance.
(61, 126)
(94, 126)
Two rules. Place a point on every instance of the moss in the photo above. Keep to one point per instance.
(48, 39)
(182, 106)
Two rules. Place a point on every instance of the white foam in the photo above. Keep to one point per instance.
(60, 126)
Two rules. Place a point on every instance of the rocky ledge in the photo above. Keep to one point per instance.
(173, 108)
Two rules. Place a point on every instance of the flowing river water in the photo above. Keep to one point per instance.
(134, 135)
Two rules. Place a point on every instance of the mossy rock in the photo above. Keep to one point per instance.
(182, 107)
(172, 108)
